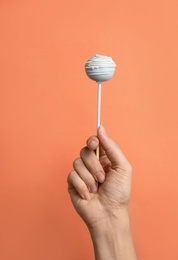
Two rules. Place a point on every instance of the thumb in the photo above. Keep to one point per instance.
(112, 150)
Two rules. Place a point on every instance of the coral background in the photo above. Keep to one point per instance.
(48, 110)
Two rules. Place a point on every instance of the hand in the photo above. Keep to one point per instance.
(100, 189)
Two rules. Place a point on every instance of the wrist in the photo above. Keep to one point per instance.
(117, 223)
(112, 238)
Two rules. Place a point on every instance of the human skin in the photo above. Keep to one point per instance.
(100, 192)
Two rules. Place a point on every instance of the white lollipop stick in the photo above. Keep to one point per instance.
(99, 68)
(98, 114)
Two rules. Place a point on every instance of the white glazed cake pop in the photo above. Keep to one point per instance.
(100, 68)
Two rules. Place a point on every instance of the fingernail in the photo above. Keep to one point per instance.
(103, 130)
(92, 143)
(100, 177)
(86, 195)
(93, 188)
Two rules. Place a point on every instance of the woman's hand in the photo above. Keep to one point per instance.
(100, 189)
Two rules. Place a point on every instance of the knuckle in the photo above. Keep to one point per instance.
(83, 151)
(70, 176)
(76, 162)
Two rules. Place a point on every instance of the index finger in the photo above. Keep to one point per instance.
(93, 143)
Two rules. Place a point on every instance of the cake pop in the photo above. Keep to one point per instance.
(99, 68)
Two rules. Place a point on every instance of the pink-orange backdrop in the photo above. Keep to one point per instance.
(48, 109)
